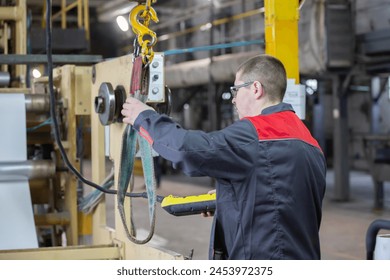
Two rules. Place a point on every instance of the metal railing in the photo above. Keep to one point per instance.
(82, 7)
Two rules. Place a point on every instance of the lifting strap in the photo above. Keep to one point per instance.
(130, 137)
(142, 56)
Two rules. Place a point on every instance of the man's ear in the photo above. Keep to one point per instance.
(258, 89)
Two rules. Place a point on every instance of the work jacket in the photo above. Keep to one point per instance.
(270, 175)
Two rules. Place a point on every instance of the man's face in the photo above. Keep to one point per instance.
(243, 98)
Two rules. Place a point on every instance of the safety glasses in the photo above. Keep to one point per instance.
(234, 89)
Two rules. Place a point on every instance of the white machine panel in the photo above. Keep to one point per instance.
(157, 79)
(17, 227)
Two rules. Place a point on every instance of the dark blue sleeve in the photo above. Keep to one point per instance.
(225, 154)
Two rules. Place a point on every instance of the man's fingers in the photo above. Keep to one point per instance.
(129, 99)
(207, 214)
(126, 120)
(129, 102)
(124, 112)
(132, 108)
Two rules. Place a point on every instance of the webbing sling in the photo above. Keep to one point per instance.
(138, 88)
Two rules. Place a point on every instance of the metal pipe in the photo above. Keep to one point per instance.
(194, 73)
(63, 14)
(5, 78)
(29, 169)
(79, 13)
(15, 90)
(86, 19)
(37, 103)
(77, 59)
(372, 231)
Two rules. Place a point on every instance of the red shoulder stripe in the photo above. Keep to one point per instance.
(145, 135)
(282, 125)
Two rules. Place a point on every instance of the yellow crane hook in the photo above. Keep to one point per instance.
(146, 37)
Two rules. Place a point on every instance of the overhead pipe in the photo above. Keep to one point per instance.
(195, 73)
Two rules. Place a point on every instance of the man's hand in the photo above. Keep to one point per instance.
(132, 108)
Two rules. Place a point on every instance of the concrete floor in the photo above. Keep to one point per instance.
(343, 228)
(344, 225)
(178, 234)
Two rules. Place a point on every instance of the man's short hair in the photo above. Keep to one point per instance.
(269, 71)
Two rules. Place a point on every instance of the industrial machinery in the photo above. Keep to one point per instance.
(63, 231)
(80, 98)
(89, 95)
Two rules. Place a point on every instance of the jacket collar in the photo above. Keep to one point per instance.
(277, 108)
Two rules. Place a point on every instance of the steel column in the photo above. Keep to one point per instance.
(374, 123)
(340, 142)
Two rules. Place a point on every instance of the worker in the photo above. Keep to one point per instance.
(270, 171)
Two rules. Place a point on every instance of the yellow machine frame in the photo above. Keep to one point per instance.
(16, 14)
(101, 233)
(77, 91)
